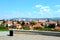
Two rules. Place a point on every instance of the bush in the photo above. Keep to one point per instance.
(44, 29)
(37, 28)
(26, 28)
(32, 23)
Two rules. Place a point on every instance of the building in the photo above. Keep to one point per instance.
(1, 21)
(8, 23)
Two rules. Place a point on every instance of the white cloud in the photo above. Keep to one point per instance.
(47, 11)
(57, 6)
(38, 6)
(43, 9)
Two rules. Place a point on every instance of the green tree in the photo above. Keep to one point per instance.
(51, 26)
(32, 23)
(18, 22)
(22, 23)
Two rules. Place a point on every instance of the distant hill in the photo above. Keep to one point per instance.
(36, 18)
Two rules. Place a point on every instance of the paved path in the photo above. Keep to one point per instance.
(3, 36)
(28, 37)
(4, 33)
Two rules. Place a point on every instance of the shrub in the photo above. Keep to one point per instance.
(44, 29)
(32, 23)
(37, 28)
(26, 28)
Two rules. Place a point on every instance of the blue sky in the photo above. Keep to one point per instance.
(29, 8)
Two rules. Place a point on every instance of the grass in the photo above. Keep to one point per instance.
(40, 29)
(37, 28)
(43, 29)
(2, 28)
(26, 28)
(57, 30)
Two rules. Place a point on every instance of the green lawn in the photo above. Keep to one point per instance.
(2, 28)
(26, 28)
(43, 29)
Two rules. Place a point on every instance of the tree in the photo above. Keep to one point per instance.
(22, 23)
(3, 21)
(18, 22)
(32, 23)
(51, 26)
(58, 25)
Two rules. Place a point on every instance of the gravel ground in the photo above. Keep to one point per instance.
(28, 37)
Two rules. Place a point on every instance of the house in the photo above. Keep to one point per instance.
(1, 21)
(46, 24)
(8, 23)
(27, 23)
(41, 20)
(57, 28)
(18, 26)
(37, 24)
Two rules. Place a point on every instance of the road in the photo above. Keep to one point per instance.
(49, 33)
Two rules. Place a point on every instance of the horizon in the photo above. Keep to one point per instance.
(29, 9)
(30, 18)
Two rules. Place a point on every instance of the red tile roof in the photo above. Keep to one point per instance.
(57, 28)
(8, 22)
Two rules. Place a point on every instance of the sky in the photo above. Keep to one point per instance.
(29, 9)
